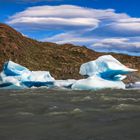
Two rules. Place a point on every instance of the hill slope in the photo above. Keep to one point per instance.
(63, 61)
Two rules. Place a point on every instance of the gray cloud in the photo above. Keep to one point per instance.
(124, 45)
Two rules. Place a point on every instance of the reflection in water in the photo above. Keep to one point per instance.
(41, 114)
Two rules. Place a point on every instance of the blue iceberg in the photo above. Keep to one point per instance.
(104, 72)
(12, 69)
(17, 76)
(106, 67)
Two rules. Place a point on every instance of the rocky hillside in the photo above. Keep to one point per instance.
(63, 61)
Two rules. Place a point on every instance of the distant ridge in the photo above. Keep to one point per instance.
(63, 61)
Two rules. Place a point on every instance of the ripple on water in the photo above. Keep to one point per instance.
(25, 114)
(55, 113)
(71, 112)
(104, 98)
(81, 99)
(125, 107)
(76, 111)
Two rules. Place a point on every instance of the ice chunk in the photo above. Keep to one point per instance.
(8, 80)
(38, 84)
(15, 75)
(12, 69)
(119, 77)
(13, 87)
(106, 67)
(64, 83)
(95, 83)
(12, 80)
(135, 85)
(40, 76)
(104, 72)
(38, 79)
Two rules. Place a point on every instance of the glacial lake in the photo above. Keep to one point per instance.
(42, 114)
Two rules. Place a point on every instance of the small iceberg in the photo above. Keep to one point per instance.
(17, 76)
(12, 69)
(104, 72)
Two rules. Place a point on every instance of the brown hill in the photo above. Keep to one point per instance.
(63, 61)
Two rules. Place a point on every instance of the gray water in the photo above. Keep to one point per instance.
(41, 114)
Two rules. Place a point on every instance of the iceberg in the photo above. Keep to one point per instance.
(17, 76)
(104, 72)
(106, 67)
(12, 69)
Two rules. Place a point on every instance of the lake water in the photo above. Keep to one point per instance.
(41, 114)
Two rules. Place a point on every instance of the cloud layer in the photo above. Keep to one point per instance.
(103, 30)
(114, 44)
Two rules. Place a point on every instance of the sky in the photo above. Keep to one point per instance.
(101, 25)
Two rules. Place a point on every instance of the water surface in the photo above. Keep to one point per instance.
(42, 114)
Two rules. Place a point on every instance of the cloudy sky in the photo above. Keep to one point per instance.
(101, 25)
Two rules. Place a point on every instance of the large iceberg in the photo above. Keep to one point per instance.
(106, 67)
(17, 76)
(104, 72)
